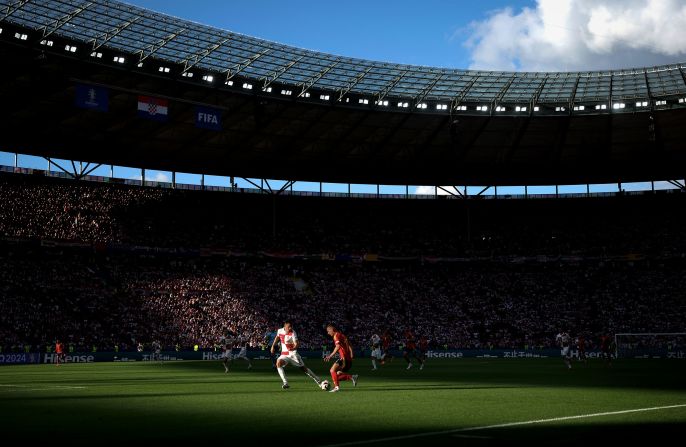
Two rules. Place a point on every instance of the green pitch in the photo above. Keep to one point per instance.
(113, 403)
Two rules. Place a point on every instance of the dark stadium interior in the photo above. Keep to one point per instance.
(150, 290)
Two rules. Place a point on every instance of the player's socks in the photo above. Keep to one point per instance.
(312, 375)
(374, 363)
(422, 366)
(345, 377)
(334, 377)
(354, 379)
(335, 390)
(282, 373)
(409, 365)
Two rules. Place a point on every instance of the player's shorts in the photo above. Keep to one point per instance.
(292, 359)
(408, 351)
(565, 351)
(228, 355)
(345, 365)
(376, 353)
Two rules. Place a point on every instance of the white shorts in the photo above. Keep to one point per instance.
(565, 351)
(292, 359)
(376, 353)
(227, 355)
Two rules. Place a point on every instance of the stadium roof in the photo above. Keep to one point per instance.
(139, 31)
(318, 117)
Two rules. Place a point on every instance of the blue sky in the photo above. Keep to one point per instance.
(485, 34)
(427, 32)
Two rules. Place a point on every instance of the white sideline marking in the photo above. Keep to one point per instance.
(509, 424)
(14, 388)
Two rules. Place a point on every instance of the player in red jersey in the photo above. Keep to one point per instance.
(386, 343)
(59, 353)
(411, 349)
(339, 370)
(581, 347)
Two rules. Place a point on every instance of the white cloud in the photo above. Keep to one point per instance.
(580, 35)
(158, 177)
(161, 177)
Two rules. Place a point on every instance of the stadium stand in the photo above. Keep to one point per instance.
(109, 265)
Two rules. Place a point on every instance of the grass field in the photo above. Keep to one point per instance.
(118, 402)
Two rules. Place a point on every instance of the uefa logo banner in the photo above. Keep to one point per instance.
(92, 97)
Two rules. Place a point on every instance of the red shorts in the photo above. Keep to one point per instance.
(344, 364)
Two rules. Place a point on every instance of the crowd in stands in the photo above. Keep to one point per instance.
(96, 300)
(43, 208)
(99, 302)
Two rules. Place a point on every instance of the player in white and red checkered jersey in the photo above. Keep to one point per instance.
(289, 354)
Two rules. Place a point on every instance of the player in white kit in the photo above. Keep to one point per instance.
(376, 350)
(226, 343)
(242, 343)
(289, 354)
(564, 340)
(156, 351)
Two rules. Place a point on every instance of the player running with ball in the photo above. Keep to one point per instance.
(345, 358)
(289, 354)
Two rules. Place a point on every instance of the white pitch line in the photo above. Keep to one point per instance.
(14, 388)
(509, 424)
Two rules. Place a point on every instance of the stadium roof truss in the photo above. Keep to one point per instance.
(225, 55)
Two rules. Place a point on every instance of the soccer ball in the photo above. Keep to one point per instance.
(324, 385)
